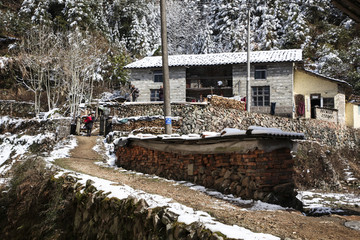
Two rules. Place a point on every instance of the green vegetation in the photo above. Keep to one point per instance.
(34, 205)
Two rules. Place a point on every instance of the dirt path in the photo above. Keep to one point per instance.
(284, 224)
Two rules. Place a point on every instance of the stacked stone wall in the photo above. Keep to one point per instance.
(259, 175)
(97, 216)
(60, 126)
(16, 109)
(200, 118)
(63, 208)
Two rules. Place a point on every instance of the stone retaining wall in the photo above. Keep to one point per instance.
(201, 117)
(16, 109)
(259, 175)
(44, 207)
(60, 126)
(97, 216)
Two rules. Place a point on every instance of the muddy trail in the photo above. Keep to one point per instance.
(289, 224)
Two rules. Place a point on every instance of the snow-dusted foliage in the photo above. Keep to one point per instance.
(210, 26)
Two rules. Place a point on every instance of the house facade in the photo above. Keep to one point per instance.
(353, 112)
(320, 97)
(278, 83)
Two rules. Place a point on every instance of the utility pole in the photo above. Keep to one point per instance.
(165, 69)
(248, 86)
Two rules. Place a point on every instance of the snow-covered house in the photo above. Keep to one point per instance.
(272, 78)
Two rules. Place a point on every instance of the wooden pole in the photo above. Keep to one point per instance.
(248, 86)
(165, 66)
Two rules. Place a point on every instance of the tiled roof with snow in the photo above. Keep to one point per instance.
(292, 55)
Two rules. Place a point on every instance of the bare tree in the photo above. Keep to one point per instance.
(36, 60)
(82, 65)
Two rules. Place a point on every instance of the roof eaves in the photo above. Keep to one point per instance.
(328, 78)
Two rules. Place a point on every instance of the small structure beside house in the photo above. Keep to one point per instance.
(279, 83)
(320, 97)
(353, 112)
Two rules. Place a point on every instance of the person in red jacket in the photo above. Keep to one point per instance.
(89, 121)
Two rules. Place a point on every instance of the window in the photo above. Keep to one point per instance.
(154, 95)
(359, 110)
(158, 76)
(260, 72)
(261, 96)
(328, 103)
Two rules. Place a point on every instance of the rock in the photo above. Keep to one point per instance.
(227, 174)
(168, 217)
(180, 232)
(245, 182)
(353, 225)
(218, 183)
(141, 206)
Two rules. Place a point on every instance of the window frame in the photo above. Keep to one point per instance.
(263, 93)
(158, 76)
(326, 103)
(260, 72)
(156, 97)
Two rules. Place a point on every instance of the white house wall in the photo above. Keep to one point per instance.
(307, 84)
(352, 115)
(143, 79)
(279, 79)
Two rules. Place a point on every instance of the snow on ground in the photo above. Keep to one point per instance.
(5, 120)
(349, 174)
(3, 62)
(13, 146)
(324, 201)
(62, 149)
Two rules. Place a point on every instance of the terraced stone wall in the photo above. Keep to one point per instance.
(198, 118)
(16, 109)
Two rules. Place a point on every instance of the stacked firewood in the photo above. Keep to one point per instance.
(227, 103)
(153, 126)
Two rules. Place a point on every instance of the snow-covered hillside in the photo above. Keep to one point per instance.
(328, 37)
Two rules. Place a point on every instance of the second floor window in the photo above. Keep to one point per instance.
(261, 96)
(158, 76)
(260, 72)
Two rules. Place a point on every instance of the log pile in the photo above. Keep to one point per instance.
(227, 103)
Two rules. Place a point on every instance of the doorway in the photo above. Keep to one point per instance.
(315, 102)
